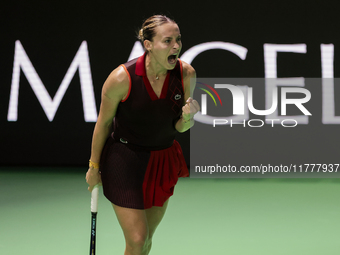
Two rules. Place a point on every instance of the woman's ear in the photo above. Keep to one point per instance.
(148, 45)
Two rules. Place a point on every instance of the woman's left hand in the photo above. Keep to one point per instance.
(190, 109)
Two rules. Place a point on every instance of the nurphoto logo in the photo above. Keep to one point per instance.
(242, 103)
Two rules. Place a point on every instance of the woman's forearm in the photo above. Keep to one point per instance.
(182, 125)
(100, 134)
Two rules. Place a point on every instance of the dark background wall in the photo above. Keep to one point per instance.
(52, 32)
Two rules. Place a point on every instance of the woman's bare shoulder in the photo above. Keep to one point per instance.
(188, 71)
(117, 83)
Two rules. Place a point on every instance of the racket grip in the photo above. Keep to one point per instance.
(94, 198)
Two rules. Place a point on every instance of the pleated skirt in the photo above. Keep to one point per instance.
(137, 178)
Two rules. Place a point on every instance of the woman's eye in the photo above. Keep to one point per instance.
(167, 41)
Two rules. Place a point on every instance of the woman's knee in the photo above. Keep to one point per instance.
(138, 241)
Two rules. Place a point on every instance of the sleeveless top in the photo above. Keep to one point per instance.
(144, 120)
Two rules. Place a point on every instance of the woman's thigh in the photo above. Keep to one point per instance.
(133, 222)
(139, 224)
(154, 215)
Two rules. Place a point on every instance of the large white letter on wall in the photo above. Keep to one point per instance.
(193, 52)
(50, 106)
(328, 93)
(270, 69)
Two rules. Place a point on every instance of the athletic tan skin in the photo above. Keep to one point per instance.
(139, 225)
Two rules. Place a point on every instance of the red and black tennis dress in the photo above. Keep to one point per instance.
(141, 160)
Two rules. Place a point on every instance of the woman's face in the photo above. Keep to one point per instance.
(166, 45)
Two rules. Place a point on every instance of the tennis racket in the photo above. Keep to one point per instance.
(94, 210)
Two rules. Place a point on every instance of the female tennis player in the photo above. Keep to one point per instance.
(145, 101)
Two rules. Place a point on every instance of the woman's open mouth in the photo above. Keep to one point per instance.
(172, 59)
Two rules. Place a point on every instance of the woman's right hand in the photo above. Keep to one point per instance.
(115, 89)
(93, 177)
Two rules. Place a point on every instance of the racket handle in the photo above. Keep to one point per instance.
(94, 199)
